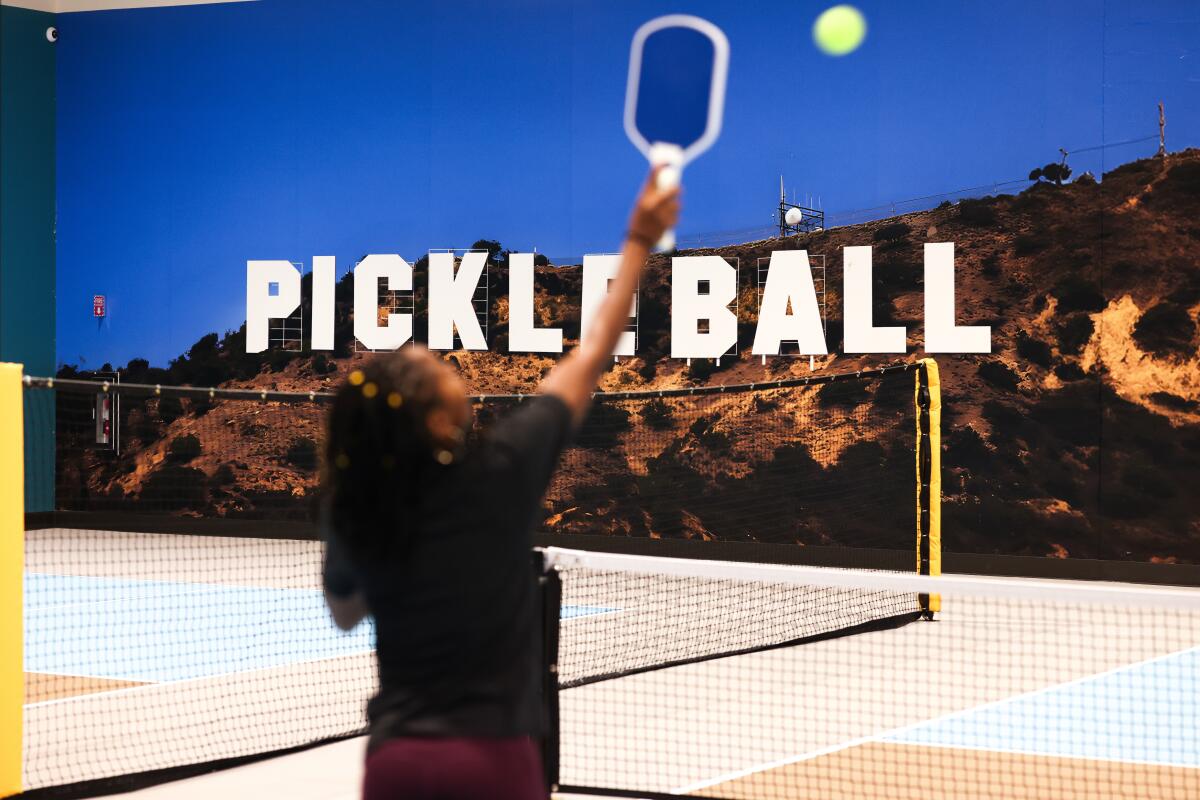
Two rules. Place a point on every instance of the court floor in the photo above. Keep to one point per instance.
(131, 663)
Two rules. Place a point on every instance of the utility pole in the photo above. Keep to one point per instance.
(1162, 131)
(782, 209)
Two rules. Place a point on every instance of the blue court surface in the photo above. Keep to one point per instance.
(81, 626)
(1145, 713)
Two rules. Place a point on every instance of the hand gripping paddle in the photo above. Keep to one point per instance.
(675, 98)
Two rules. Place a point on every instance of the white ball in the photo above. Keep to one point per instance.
(793, 216)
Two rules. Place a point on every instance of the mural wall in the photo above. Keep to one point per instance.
(192, 140)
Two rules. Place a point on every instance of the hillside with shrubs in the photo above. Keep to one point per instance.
(1078, 436)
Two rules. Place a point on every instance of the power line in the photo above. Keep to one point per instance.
(752, 233)
(1111, 144)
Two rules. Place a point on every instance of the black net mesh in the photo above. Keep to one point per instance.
(634, 622)
(174, 613)
(1062, 691)
(225, 457)
(826, 463)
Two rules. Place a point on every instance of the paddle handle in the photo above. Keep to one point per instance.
(670, 158)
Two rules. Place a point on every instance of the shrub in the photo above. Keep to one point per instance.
(200, 406)
(1002, 416)
(1077, 294)
(1029, 243)
(1147, 480)
(175, 487)
(892, 233)
(708, 436)
(1122, 502)
(1052, 172)
(1069, 372)
(1166, 330)
(604, 425)
(847, 393)
(1075, 333)
(1033, 350)
(223, 476)
(762, 403)
(253, 430)
(966, 448)
(999, 375)
(277, 360)
(701, 368)
(1185, 178)
(979, 213)
(1174, 401)
(302, 453)
(991, 265)
(1071, 414)
(183, 449)
(322, 365)
(714, 440)
(494, 248)
(657, 415)
(169, 409)
(141, 426)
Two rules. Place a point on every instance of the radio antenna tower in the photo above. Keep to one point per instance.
(795, 218)
(1162, 131)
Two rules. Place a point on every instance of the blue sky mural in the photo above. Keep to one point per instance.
(191, 139)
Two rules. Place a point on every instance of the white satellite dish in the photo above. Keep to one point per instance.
(793, 216)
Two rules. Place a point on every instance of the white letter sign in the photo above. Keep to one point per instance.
(262, 305)
(689, 305)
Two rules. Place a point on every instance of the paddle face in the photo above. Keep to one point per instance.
(676, 90)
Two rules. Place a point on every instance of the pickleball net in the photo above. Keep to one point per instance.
(173, 612)
(736, 680)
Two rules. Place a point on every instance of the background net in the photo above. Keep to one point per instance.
(174, 614)
(829, 462)
(823, 463)
(1019, 689)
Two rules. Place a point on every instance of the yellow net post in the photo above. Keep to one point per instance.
(927, 397)
(12, 568)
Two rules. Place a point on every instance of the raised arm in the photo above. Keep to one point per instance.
(574, 378)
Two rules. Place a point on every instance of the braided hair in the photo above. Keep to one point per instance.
(380, 453)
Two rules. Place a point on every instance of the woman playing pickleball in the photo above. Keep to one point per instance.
(432, 536)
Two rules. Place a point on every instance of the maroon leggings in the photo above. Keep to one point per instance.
(455, 768)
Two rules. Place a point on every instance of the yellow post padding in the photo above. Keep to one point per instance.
(935, 474)
(12, 569)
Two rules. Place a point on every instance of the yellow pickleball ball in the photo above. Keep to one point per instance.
(840, 30)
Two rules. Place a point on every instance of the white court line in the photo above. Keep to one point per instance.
(1019, 752)
(783, 762)
(605, 612)
(58, 674)
(187, 587)
(152, 684)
